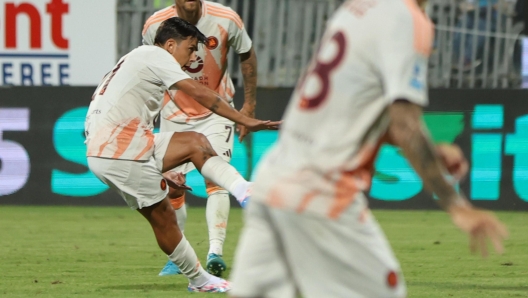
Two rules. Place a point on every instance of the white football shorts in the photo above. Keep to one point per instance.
(218, 130)
(139, 183)
(283, 254)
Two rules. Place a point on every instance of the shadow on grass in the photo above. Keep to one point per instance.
(458, 286)
(146, 287)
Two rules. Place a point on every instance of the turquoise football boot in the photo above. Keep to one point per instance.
(170, 269)
(215, 264)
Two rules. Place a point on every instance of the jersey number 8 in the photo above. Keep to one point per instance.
(322, 70)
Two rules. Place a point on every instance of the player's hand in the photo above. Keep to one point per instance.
(176, 180)
(253, 125)
(453, 159)
(480, 226)
(248, 111)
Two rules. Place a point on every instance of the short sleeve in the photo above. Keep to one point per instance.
(149, 33)
(404, 51)
(165, 67)
(239, 39)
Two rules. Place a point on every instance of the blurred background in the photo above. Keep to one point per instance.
(54, 52)
(479, 43)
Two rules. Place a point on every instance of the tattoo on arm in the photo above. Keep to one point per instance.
(248, 65)
(407, 131)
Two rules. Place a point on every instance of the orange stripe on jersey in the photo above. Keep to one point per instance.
(125, 137)
(176, 114)
(161, 16)
(306, 201)
(275, 199)
(103, 146)
(233, 17)
(166, 99)
(423, 29)
(149, 145)
(227, 14)
(346, 191)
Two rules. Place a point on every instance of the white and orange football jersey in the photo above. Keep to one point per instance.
(120, 117)
(372, 53)
(224, 29)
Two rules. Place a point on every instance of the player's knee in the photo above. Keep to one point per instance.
(197, 137)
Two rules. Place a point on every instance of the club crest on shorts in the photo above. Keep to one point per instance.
(212, 43)
(163, 184)
(392, 279)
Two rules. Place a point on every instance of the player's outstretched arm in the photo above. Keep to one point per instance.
(248, 66)
(407, 131)
(218, 105)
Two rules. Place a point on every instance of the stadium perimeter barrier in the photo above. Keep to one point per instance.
(42, 151)
(478, 44)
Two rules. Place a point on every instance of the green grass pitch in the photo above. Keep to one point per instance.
(111, 252)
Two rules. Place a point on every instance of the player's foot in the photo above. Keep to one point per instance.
(216, 285)
(170, 269)
(215, 264)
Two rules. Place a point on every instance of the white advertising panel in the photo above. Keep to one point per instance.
(56, 42)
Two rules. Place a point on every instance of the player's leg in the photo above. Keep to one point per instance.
(194, 147)
(259, 267)
(217, 214)
(144, 188)
(220, 133)
(351, 253)
(176, 198)
(173, 243)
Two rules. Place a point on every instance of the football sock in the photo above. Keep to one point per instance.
(226, 176)
(181, 217)
(185, 258)
(217, 213)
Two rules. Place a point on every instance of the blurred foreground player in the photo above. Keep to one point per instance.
(308, 229)
(124, 153)
(224, 31)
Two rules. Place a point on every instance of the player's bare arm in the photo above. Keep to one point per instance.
(407, 131)
(453, 160)
(248, 65)
(218, 105)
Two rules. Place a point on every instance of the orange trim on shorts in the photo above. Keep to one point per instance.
(423, 29)
(211, 190)
(178, 202)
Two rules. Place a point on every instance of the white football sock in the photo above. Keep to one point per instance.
(185, 258)
(226, 176)
(181, 217)
(217, 213)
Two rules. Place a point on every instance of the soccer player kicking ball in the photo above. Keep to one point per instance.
(224, 31)
(308, 229)
(124, 153)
